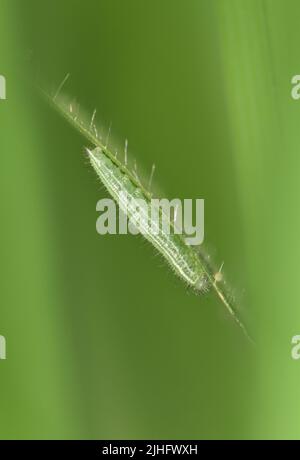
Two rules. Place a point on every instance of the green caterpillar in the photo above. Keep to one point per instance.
(181, 257)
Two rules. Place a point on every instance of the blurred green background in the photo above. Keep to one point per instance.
(103, 341)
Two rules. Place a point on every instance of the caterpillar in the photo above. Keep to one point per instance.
(181, 257)
(190, 264)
